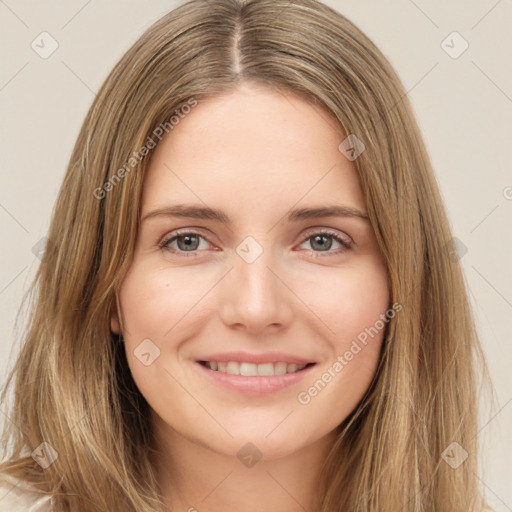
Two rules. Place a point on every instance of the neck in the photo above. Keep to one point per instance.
(194, 478)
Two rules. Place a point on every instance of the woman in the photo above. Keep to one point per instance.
(197, 342)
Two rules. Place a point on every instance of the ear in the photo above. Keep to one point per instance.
(114, 323)
(114, 318)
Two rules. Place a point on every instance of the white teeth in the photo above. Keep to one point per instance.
(254, 370)
(233, 368)
(248, 369)
(266, 369)
(280, 368)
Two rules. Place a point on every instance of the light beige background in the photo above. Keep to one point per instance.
(464, 108)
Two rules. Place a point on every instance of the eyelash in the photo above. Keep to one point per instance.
(191, 254)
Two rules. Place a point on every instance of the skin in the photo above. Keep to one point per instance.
(256, 154)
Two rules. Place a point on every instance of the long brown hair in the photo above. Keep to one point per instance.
(71, 384)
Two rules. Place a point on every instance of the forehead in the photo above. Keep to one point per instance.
(253, 146)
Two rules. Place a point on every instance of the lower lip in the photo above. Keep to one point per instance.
(257, 385)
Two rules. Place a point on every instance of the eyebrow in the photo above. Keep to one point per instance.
(203, 212)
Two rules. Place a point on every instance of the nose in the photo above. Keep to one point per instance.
(256, 296)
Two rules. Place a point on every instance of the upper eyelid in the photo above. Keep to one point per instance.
(185, 231)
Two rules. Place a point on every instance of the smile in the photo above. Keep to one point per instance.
(254, 379)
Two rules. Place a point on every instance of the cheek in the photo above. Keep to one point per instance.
(167, 307)
(348, 300)
(353, 305)
(154, 301)
(155, 304)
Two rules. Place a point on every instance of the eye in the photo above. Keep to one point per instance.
(322, 241)
(190, 242)
(186, 241)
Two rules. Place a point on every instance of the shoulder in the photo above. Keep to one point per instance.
(19, 496)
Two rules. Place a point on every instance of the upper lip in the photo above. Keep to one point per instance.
(245, 357)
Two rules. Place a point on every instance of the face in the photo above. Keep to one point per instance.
(236, 280)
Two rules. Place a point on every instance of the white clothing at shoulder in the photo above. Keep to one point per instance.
(19, 496)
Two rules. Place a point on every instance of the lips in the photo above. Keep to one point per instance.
(238, 374)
